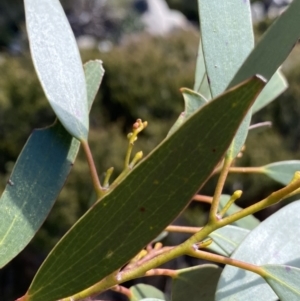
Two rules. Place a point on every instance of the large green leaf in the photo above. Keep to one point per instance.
(58, 65)
(227, 239)
(283, 171)
(196, 283)
(114, 230)
(37, 178)
(276, 86)
(274, 241)
(247, 222)
(142, 291)
(284, 280)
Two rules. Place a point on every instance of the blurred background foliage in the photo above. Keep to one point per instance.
(143, 75)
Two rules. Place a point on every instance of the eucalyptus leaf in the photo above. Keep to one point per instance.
(192, 101)
(284, 280)
(57, 62)
(201, 82)
(196, 283)
(92, 249)
(225, 47)
(268, 55)
(276, 86)
(249, 222)
(228, 239)
(142, 291)
(282, 171)
(45, 161)
(274, 241)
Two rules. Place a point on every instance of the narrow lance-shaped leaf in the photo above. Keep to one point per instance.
(226, 45)
(201, 85)
(283, 171)
(45, 161)
(274, 241)
(284, 280)
(143, 203)
(57, 62)
(270, 53)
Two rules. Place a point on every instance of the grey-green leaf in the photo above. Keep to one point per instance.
(227, 239)
(192, 102)
(282, 171)
(201, 82)
(276, 86)
(196, 283)
(57, 62)
(284, 280)
(274, 241)
(226, 45)
(227, 39)
(45, 161)
(249, 222)
(142, 291)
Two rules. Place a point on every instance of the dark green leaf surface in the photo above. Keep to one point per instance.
(227, 239)
(274, 241)
(196, 283)
(36, 180)
(276, 86)
(141, 206)
(192, 102)
(57, 62)
(284, 280)
(249, 222)
(142, 291)
(283, 171)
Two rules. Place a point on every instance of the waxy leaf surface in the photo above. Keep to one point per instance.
(227, 239)
(196, 283)
(276, 86)
(284, 280)
(283, 171)
(37, 178)
(142, 291)
(57, 62)
(116, 228)
(192, 102)
(227, 40)
(274, 241)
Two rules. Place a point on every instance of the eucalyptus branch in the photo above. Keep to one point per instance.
(95, 179)
(182, 229)
(246, 169)
(226, 260)
(122, 290)
(222, 178)
(203, 198)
